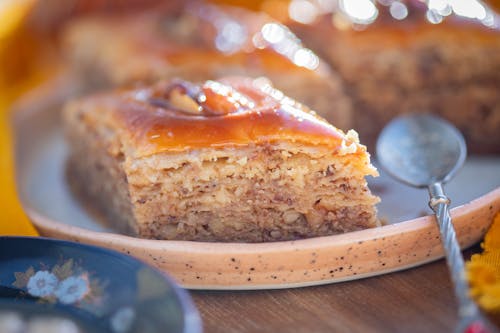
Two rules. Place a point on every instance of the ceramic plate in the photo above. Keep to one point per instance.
(409, 239)
(87, 289)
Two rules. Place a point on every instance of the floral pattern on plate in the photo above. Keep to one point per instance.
(66, 283)
(102, 290)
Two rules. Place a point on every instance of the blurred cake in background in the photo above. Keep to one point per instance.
(440, 56)
(201, 41)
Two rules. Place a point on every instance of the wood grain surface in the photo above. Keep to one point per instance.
(415, 300)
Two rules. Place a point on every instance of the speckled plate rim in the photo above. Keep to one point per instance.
(314, 261)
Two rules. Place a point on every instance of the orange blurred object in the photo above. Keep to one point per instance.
(16, 76)
(29, 57)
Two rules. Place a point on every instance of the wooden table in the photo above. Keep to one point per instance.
(415, 300)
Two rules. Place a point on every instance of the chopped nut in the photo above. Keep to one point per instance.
(349, 148)
(353, 136)
(291, 216)
(184, 102)
(314, 218)
(275, 234)
(242, 161)
(169, 230)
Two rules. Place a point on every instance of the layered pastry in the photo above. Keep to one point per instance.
(197, 42)
(411, 56)
(229, 160)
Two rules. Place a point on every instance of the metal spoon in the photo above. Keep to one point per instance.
(425, 151)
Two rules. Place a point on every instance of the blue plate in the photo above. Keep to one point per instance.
(96, 289)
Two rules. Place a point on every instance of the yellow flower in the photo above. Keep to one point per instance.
(479, 275)
(490, 298)
(492, 237)
(483, 270)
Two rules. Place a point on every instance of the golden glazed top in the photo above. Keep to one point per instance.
(178, 116)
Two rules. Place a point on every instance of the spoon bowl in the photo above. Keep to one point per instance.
(420, 149)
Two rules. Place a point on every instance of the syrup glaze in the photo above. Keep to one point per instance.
(231, 112)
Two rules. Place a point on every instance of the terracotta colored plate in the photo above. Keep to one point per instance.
(407, 241)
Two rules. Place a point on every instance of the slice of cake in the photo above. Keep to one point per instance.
(228, 160)
(199, 42)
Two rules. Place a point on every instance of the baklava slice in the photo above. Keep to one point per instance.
(233, 160)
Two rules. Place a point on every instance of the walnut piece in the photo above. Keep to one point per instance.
(182, 101)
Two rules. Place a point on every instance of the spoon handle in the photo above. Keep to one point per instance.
(468, 311)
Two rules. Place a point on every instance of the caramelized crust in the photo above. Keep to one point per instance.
(250, 112)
